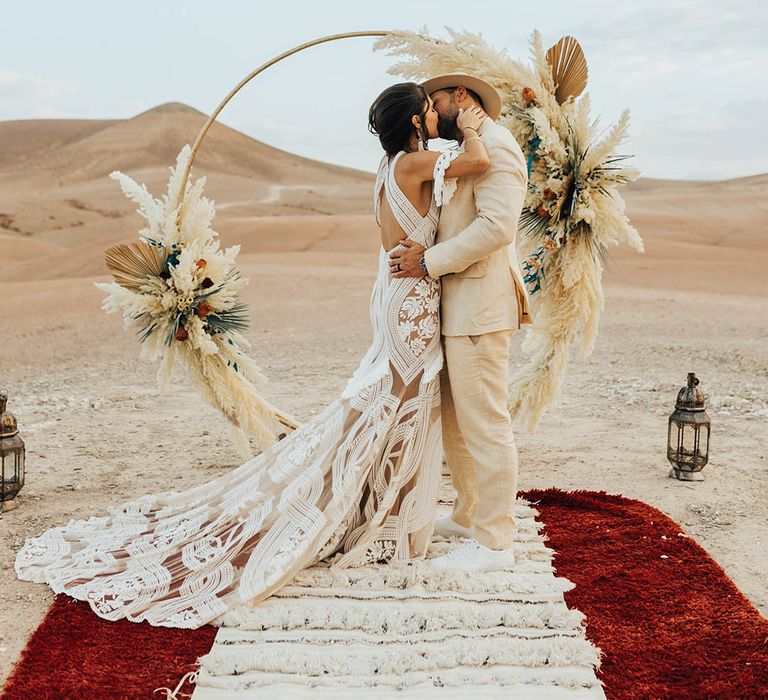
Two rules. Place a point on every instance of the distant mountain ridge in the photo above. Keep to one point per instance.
(59, 209)
(78, 149)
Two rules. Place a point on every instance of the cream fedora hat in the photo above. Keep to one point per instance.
(488, 94)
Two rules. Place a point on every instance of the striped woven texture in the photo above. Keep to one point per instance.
(368, 632)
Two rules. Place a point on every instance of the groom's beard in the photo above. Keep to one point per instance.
(446, 126)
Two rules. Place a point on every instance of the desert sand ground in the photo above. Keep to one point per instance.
(98, 432)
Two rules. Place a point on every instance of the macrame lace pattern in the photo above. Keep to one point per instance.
(357, 483)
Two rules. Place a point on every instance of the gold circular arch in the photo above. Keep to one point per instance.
(242, 83)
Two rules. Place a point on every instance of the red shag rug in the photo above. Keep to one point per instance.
(669, 621)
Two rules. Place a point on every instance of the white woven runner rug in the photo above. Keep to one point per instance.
(380, 632)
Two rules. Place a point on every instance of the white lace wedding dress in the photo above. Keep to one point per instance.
(359, 481)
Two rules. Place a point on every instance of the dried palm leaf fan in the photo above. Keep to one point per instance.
(179, 291)
(569, 68)
(134, 264)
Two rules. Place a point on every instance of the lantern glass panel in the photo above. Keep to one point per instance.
(671, 433)
(688, 442)
(20, 468)
(11, 471)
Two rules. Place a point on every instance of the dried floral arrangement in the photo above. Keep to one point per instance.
(179, 291)
(573, 210)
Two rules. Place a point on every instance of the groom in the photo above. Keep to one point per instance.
(483, 302)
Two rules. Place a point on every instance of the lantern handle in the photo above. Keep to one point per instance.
(234, 90)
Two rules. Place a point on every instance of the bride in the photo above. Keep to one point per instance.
(358, 482)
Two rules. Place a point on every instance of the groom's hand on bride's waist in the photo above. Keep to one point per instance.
(407, 263)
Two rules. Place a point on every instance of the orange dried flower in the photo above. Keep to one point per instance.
(181, 334)
(549, 194)
(549, 244)
(201, 263)
(204, 308)
(528, 94)
(541, 210)
(534, 263)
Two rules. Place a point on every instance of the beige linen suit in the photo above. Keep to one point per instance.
(483, 302)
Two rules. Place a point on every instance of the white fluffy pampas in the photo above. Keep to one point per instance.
(178, 291)
(573, 209)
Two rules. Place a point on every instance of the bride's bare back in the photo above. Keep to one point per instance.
(391, 231)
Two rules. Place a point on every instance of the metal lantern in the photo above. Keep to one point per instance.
(11, 455)
(688, 433)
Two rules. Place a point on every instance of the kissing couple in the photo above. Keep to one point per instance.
(358, 484)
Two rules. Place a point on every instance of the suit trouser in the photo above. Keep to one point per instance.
(478, 442)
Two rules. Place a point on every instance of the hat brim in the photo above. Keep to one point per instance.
(488, 94)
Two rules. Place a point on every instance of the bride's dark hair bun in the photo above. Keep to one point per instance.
(390, 115)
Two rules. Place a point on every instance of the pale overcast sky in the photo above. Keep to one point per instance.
(692, 73)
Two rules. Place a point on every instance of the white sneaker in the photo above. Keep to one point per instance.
(446, 527)
(473, 556)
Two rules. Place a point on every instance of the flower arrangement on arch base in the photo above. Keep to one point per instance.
(573, 210)
(179, 291)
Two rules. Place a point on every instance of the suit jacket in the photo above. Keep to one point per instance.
(474, 254)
